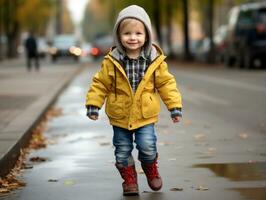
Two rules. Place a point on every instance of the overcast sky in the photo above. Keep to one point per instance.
(76, 8)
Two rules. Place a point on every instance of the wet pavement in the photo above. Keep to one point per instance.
(214, 153)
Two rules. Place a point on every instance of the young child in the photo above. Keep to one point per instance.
(132, 78)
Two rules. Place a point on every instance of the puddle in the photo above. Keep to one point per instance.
(252, 193)
(238, 171)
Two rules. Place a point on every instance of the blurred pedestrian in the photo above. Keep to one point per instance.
(133, 77)
(32, 51)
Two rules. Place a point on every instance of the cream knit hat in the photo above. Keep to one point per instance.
(140, 14)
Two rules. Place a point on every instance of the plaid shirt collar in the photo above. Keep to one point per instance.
(124, 57)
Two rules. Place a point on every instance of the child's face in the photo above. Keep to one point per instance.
(132, 35)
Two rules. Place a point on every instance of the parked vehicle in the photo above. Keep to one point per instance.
(43, 47)
(220, 43)
(202, 49)
(246, 38)
(65, 46)
(101, 46)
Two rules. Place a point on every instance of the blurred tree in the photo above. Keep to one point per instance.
(67, 22)
(157, 20)
(96, 19)
(35, 14)
(10, 25)
(20, 15)
(25, 15)
(1, 29)
(58, 16)
(206, 8)
(171, 14)
(64, 22)
(186, 51)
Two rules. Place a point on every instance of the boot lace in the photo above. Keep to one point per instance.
(129, 175)
(151, 170)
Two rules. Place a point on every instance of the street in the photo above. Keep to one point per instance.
(217, 151)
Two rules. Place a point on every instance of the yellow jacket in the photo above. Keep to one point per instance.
(126, 109)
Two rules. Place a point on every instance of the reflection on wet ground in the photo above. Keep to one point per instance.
(252, 193)
(238, 171)
(241, 172)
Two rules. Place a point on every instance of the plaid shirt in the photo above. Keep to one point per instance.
(135, 70)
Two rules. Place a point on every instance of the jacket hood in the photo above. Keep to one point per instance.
(140, 14)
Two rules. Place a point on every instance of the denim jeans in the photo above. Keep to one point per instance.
(145, 139)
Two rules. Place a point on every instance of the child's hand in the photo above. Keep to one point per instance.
(176, 119)
(93, 117)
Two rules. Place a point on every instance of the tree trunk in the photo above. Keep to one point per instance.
(157, 20)
(12, 29)
(211, 53)
(187, 55)
(59, 13)
(169, 18)
(1, 32)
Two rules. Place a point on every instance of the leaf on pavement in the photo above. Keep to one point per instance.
(69, 182)
(243, 135)
(200, 136)
(211, 150)
(38, 140)
(104, 143)
(26, 166)
(176, 189)
(4, 190)
(53, 112)
(9, 183)
(171, 159)
(38, 159)
(145, 191)
(202, 188)
(53, 180)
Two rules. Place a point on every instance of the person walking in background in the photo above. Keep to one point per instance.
(32, 51)
(133, 77)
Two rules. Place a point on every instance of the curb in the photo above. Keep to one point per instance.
(8, 160)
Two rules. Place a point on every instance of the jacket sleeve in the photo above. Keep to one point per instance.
(99, 88)
(167, 87)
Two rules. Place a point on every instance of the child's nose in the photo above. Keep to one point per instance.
(133, 36)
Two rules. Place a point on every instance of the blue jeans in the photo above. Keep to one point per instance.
(145, 139)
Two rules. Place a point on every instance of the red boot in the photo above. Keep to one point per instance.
(152, 174)
(130, 185)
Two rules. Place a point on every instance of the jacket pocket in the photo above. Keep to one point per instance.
(115, 107)
(150, 105)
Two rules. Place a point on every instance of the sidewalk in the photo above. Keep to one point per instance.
(24, 97)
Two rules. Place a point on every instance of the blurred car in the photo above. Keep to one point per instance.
(43, 48)
(202, 49)
(86, 49)
(220, 43)
(101, 46)
(65, 46)
(246, 38)
(194, 46)
(3, 43)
